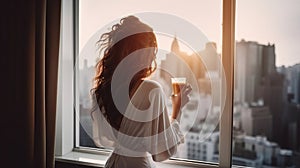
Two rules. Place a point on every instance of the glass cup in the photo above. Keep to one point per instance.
(177, 83)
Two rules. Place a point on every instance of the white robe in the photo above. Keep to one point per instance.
(145, 133)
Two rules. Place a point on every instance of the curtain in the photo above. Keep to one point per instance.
(29, 34)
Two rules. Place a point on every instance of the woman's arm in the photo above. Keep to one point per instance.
(179, 101)
(165, 145)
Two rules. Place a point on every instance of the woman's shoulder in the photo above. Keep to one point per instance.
(152, 88)
(151, 84)
(148, 89)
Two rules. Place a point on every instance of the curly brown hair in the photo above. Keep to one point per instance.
(125, 37)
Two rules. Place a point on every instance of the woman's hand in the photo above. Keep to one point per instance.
(180, 100)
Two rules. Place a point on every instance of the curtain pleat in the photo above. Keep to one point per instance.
(39, 99)
(29, 34)
(52, 50)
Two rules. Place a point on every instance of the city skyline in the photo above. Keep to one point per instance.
(257, 114)
(89, 64)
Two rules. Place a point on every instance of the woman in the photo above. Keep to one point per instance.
(129, 111)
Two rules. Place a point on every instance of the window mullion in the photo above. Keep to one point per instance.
(228, 62)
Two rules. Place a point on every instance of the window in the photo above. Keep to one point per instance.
(266, 92)
(189, 45)
(209, 44)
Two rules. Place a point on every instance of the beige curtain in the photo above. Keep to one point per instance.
(29, 34)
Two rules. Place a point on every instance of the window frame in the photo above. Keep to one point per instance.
(67, 124)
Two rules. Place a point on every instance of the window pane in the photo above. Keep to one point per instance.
(189, 45)
(266, 123)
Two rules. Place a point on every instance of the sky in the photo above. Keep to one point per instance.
(265, 21)
(274, 21)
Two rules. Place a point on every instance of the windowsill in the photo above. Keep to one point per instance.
(98, 160)
(80, 158)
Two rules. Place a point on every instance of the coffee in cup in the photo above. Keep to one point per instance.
(177, 84)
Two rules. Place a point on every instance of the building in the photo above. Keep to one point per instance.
(257, 151)
(202, 66)
(292, 74)
(85, 84)
(199, 149)
(174, 63)
(291, 118)
(257, 80)
(291, 127)
(257, 120)
(254, 62)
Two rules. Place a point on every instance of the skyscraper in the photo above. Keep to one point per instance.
(256, 80)
(257, 120)
(254, 63)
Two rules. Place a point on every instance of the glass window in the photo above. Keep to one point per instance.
(266, 122)
(189, 45)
